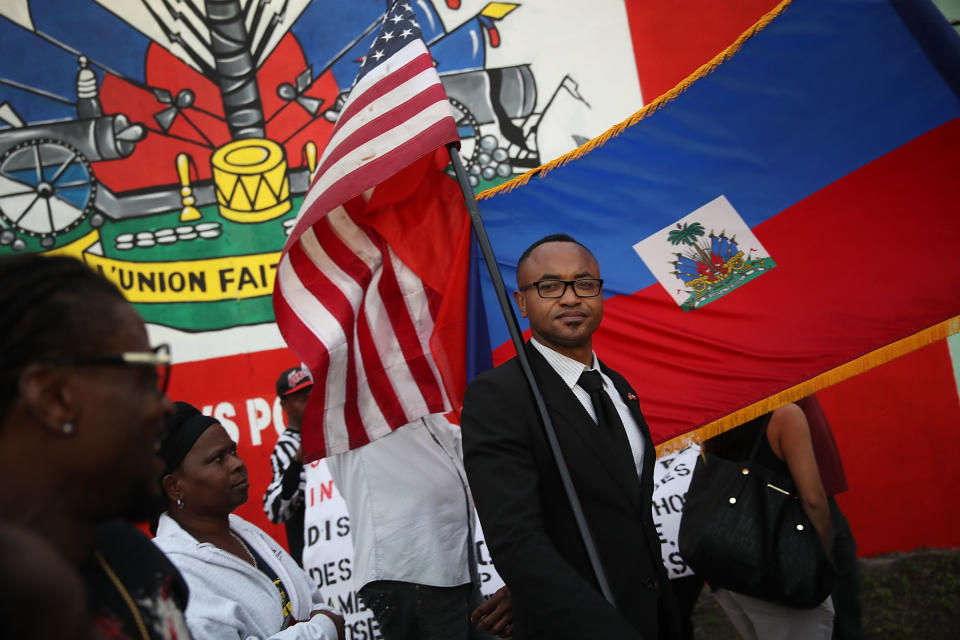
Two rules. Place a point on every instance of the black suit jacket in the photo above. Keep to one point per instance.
(529, 526)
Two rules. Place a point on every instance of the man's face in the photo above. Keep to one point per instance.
(568, 321)
(294, 406)
(120, 417)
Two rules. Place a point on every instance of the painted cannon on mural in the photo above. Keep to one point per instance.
(47, 183)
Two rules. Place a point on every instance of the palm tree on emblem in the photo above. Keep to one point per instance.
(688, 234)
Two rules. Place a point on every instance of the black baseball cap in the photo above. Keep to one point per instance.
(293, 380)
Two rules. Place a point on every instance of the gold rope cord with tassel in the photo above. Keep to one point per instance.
(127, 599)
(617, 129)
(875, 358)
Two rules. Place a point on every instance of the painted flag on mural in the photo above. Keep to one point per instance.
(783, 219)
(361, 294)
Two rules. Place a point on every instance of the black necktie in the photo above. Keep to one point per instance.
(607, 418)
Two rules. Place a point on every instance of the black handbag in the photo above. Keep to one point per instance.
(743, 529)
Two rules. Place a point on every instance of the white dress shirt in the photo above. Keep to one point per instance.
(410, 509)
(569, 370)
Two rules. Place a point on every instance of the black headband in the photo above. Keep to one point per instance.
(185, 426)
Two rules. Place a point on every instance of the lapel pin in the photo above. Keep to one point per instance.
(630, 396)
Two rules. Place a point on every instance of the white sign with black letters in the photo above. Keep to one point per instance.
(328, 554)
(671, 479)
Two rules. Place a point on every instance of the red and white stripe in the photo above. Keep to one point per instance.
(358, 317)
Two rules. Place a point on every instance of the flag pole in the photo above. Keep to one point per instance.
(517, 337)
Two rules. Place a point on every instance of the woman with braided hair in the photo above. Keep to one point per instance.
(82, 405)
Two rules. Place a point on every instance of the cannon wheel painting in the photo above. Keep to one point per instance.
(46, 189)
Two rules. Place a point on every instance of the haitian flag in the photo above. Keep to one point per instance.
(783, 219)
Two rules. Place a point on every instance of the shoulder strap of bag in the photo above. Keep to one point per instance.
(761, 434)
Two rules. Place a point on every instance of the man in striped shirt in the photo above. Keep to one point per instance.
(283, 500)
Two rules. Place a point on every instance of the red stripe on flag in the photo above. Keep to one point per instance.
(356, 433)
(370, 174)
(386, 397)
(342, 254)
(388, 83)
(320, 285)
(406, 332)
(433, 301)
(337, 304)
(312, 352)
(383, 123)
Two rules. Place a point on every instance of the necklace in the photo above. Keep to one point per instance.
(243, 544)
(124, 594)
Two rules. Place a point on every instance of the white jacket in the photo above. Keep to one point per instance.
(232, 600)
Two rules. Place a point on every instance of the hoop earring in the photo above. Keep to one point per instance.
(180, 503)
(66, 428)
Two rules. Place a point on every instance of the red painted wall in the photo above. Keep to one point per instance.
(897, 428)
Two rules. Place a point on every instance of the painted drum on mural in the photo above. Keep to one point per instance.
(169, 144)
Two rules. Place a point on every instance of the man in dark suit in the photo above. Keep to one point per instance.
(527, 520)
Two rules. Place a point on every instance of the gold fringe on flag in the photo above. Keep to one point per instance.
(617, 129)
(840, 373)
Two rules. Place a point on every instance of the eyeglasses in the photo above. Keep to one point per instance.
(582, 287)
(158, 357)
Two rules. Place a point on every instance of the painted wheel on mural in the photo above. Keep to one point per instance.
(46, 189)
(469, 132)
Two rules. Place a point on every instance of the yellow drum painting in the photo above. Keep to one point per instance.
(250, 176)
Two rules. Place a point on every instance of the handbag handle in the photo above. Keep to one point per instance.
(754, 449)
(761, 434)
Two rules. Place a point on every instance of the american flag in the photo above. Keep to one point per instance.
(356, 314)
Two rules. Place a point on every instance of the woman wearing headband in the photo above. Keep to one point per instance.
(242, 583)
